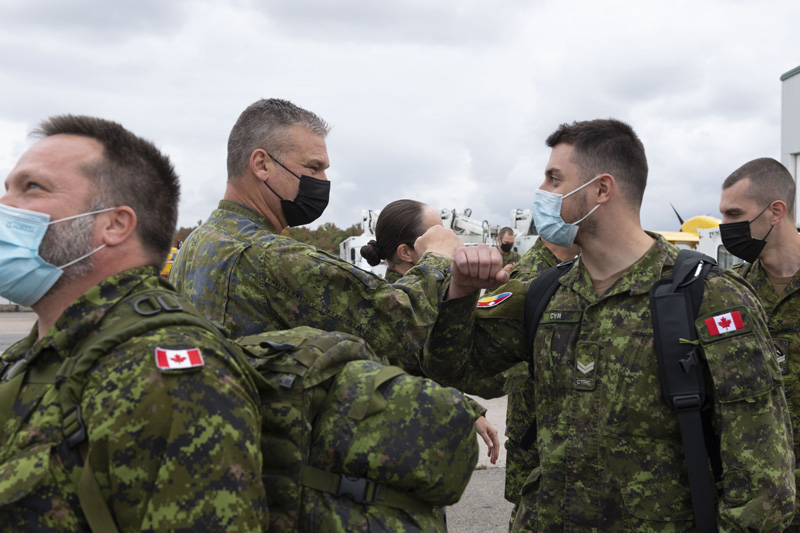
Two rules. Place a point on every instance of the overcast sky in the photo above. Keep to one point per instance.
(444, 101)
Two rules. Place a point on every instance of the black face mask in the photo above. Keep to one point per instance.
(737, 239)
(506, 247)
(310, 202)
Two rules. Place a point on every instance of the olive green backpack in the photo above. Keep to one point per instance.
(345, 439)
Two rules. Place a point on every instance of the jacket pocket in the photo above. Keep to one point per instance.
(657, 500)
(23, 473)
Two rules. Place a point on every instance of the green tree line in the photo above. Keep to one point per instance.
(326, 237)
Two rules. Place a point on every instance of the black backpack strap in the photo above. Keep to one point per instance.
(674, 305)
(538, 296)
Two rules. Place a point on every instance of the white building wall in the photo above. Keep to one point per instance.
(790, 123)
(790, 120)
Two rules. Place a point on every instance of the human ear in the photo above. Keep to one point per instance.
(777, 210)
(608, 186)
(116, 226)
(404, 253)
(259, 166)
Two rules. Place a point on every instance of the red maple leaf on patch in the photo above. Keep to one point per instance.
(179, 359)
(724, 323)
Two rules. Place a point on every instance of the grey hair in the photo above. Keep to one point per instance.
(265, 124)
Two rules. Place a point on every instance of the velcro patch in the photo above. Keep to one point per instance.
(178, 359)
(586, 366)
(491, 301)
(557, 316)
(723, 324)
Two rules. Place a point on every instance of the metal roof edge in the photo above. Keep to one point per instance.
(791, 73)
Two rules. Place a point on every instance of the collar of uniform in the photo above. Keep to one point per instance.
(544, 252)
(82, 316)
(755, 274)
(244, 211)
(638, 279)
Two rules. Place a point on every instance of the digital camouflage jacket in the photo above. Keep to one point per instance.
(171, 449)
(783, 320)
(239, 273)
(392, 276)
(511, 257)
(609, 447)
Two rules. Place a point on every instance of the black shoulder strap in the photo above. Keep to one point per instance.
(538, 296)
(674, 305)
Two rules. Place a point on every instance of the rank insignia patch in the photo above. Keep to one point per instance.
(724, 323)
(178, 359)
(491, 301)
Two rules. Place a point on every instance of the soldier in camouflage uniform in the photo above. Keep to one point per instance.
(610, 449)
(240, 272)
(505, 242)
(168, 446)
(759, 199)
(399, 225)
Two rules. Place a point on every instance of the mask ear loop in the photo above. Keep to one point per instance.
(81, 258)
(576, 190)
(82, 215)
(84, 256)
(761, 213)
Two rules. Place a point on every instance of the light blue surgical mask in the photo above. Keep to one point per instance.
(547, 217)
(26, 277)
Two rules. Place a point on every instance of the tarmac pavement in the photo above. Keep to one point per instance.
(14, 326)
(482, 508)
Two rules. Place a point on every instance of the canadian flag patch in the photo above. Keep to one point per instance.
(178, 359)
(724, 323)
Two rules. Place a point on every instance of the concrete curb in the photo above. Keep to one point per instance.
(13, 308)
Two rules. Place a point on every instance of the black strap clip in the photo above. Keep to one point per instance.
(73, 427)
(357, 488)
(160, 304)
(686, 402)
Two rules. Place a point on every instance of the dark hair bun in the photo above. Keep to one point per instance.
(372, 253)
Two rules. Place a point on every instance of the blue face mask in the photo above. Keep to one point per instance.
(547, 217)
(26, 276)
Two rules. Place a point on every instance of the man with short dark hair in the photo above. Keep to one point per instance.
(240, 272)
(162, 429)
(505, 244)
(758, 225)
(610, 450)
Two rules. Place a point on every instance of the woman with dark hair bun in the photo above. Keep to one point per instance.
(399, 225)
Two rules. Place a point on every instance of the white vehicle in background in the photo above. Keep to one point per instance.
(702, 234)
(470, 230)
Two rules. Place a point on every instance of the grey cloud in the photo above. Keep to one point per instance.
(415, 21)
(89, 21)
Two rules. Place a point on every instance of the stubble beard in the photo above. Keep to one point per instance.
(66, 241)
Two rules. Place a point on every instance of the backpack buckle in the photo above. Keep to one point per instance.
(10, 370)
(357, 489)
(156, 305)
(72, 427)
(686, 402)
